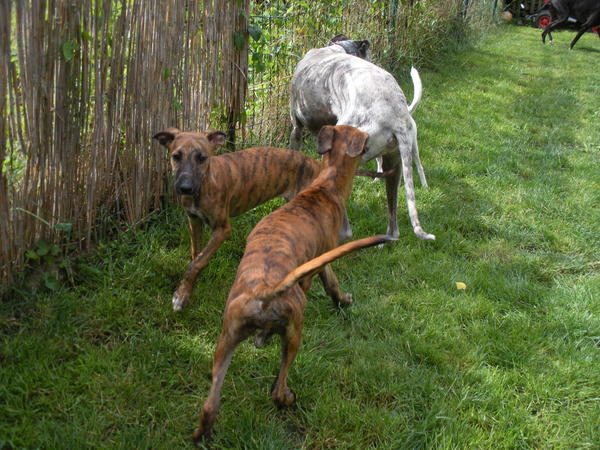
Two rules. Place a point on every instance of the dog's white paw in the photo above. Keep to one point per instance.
(178, 302)
(346, 299)
(422, 235)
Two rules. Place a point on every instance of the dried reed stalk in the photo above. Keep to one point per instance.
(6, 250)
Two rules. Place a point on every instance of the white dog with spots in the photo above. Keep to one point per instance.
(337, 85)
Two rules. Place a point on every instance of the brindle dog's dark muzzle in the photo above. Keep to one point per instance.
(186, 184)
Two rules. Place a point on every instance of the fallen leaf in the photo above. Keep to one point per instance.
(461, 286)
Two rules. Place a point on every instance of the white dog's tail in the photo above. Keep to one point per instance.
(315, 265)
(418, 91)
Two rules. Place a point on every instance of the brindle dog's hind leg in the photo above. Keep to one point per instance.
(231, 335)
(282, 395)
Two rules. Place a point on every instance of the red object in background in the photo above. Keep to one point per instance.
(544, 20)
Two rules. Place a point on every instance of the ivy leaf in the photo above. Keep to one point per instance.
(31, 255)
(42, 248)
(239, 40)
(258, 62)
(255, 32)
(85, 35)
(68, 49)
(63, 227)
(243, 117)
(50, 281)
(177, 105)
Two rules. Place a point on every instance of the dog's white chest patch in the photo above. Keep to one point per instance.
(192, 209)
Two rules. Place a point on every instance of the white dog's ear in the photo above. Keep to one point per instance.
(357, 143)
(325, 139)
(338, 38)
(167, 136)
(216, 138)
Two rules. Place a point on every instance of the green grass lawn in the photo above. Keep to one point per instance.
(510, 141)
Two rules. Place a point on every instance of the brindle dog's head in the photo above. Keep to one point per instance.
(190, 156)
(341, 146)
(362, 49)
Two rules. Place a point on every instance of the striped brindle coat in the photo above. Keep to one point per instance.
(283, 253)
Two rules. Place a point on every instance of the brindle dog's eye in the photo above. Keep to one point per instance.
(200, 158)
(176, 156)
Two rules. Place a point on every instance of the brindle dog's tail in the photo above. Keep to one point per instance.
(315, 265)
(418, 89)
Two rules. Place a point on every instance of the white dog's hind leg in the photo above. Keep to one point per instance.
(296, 135)
(406, 157)
(391, 189)
(379, 162)
(415, 152)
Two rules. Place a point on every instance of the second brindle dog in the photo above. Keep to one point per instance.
(283, 253)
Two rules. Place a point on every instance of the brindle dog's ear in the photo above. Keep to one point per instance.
(325, 139)
(357, 143)
(363, 48)
(167, 136)
(216, 138)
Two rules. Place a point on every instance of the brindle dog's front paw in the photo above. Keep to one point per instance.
(285, 397)
(346, 299)
(179, 301)
(200, 436)
(204, 431)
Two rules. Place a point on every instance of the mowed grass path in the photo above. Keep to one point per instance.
(510, 141)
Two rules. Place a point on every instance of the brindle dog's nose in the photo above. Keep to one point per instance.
(184, 187)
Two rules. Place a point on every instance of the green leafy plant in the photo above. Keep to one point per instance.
(51, 257)
(69, 48)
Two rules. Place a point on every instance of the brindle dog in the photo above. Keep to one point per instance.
(281, 258)
(215, 188)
